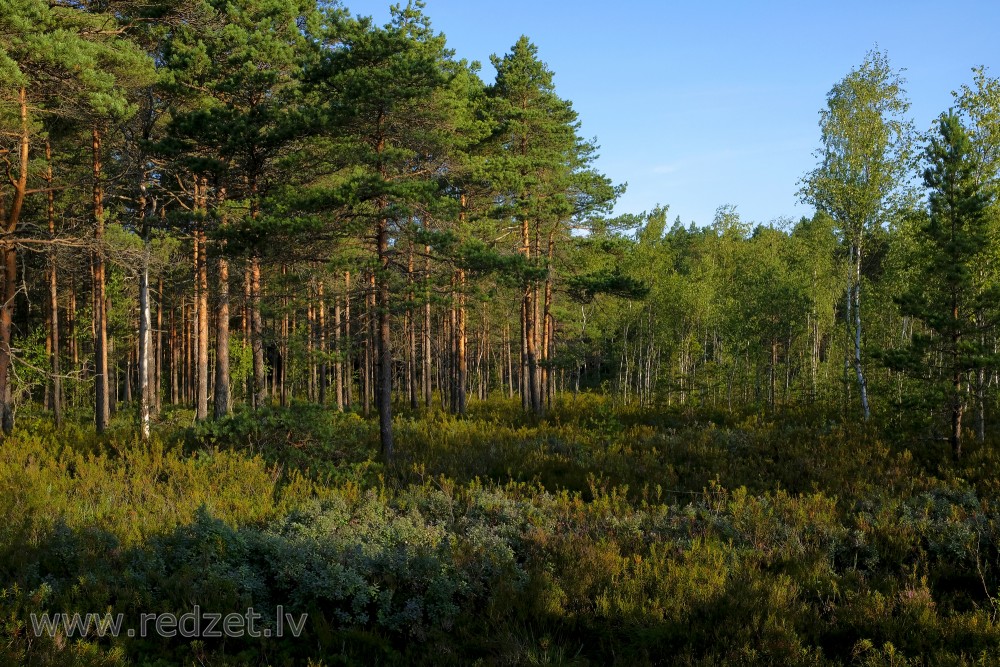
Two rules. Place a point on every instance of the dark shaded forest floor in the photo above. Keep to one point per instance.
(597, 535)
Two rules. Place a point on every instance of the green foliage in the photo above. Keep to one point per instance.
(713, 507)
(867, 141)
(305, 437)
(70, 60)
(240, 363)
(585, 287)
(861, 178)
(793, 540)
(29, 372)
(952, 249)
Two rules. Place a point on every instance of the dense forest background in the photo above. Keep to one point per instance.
(212, 205)
(278, 265)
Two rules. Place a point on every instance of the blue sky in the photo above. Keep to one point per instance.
(701, 104)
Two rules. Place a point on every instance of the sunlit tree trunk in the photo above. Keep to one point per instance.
(461, 361)
(366, 375)
(158, 371)
(349, 357)
(411, 337)
(145, 343)
(257, 335)
(426, 344)
(56, 380)
(338, 365)
(102, 407)
(201, 298)
(321, 342)
(384, 344)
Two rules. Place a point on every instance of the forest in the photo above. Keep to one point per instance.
(303, 312)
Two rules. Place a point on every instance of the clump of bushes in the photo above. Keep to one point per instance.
(498, 541)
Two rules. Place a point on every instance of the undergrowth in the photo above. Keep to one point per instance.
(597, 535)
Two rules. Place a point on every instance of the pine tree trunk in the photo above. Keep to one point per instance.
(338, 365)
(12, 217)
(6, 326)
(531, 351)
(102, 400)
(411, 337)
(74, 349)
(113, 380)
(156, 381)
(531, 399)
(957, 412)
(257, 336)
(245, 328)
(981, 403)
(384, 344)
(547, 322)
(487, 353)
(427, 361)
(56, 388)
(461, 362)
(283, 345)
(310, 346)
(174, 344)
(522, 378)
(190, 342)
(201, 276)
(292, 327)
(349, 357)
(452, 338)
(221, 407)
(369, 374)
(510, 360)
(223, 392)
(321, 343)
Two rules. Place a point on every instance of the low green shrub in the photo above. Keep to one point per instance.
(593, 536)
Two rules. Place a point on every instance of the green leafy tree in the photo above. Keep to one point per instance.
(861, 178)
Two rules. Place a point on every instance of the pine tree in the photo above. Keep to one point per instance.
(236, 73)
(389, 117)
(540, 170)
(62, 62)
(952, 239)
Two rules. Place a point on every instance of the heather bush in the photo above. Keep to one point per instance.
(595, 536)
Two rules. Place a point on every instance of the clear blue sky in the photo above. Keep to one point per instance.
(700, 104)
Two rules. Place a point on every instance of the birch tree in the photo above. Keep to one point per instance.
(861, 177)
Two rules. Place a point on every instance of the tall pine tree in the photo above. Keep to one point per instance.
(952, 239)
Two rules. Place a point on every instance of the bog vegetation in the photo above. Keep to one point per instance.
(299, 310)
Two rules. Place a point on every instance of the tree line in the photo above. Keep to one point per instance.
(209, 203)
